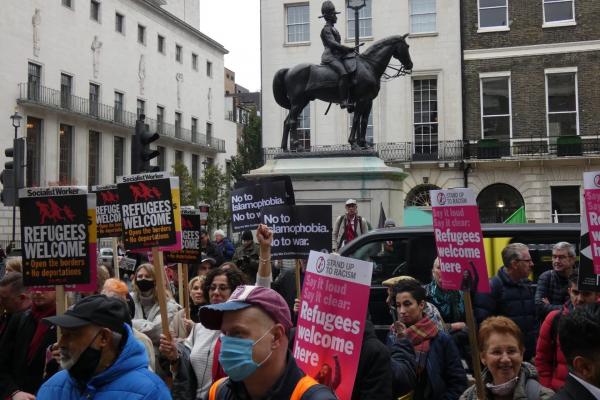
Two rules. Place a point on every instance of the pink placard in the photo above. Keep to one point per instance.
(331, 320)
(591, 195)
(458, 238)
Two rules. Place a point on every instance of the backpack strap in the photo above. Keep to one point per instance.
(212, 393)
(302, 386)
(532, 389)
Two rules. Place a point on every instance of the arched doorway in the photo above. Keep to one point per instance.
(497, 202)
(417, 205)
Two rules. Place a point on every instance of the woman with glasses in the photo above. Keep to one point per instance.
(195, 361)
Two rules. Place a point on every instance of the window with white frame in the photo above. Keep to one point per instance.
(495, 107)
(559, 11)
(425, 111)
(365, 21)
(297, 23)
(493, 14)
(561, 93)
(303, 128)
(422, 16)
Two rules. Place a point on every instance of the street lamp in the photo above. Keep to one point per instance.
(16, 122)
(356, 5)
(500, 204)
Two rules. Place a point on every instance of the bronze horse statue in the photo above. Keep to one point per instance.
(294, 88)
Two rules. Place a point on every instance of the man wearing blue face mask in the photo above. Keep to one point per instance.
(255, 322)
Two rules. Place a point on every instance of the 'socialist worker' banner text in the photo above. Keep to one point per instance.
(58, 235)
(331, 319)
(108, 211)
(150, 211)
(591, 185)
(190, 245)
(458, 238)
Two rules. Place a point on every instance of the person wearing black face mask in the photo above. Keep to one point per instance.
(99, 355)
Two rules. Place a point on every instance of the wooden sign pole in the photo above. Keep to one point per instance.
(298, 284)
(180, 283)
(115, 249)
(186, 291)
(61, 306)
(160, 288)
(472, 328)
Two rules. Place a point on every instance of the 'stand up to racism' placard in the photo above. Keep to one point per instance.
(298, 229)
(190, 245)
(58, 235)
(331, 320)
(591, 185)
(150, 211)
(458, 238)
(108, 211)
(246, 201)
(588, 279)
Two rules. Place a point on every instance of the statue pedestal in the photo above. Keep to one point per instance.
(334, 177)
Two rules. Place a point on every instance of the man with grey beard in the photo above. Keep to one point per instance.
(99, 355)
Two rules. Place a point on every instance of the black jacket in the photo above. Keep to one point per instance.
(15, 372)
(212, 250)
(403, 363)
(573, 390)
(374, 373)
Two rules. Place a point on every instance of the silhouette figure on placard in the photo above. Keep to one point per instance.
(56, 213)
(44, 211)
(326, 376)
(69, 213)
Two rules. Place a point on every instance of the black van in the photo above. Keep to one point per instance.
(411, 251)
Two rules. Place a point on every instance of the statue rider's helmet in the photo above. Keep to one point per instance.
(328, 10)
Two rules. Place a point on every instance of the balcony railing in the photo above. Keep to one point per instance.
(41, 95)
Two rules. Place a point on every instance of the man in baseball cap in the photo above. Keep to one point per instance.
(99, 355)
(349, 226)
(255, 322)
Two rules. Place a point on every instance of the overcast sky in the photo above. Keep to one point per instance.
(236, 25)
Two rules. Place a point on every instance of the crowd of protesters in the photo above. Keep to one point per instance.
(234, 340)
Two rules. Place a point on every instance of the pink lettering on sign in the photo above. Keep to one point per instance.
(458, 238)
(591, 196)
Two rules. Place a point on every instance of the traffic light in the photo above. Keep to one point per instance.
(141, 154)
(13, 176)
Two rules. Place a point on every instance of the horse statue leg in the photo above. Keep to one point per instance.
(353, 131)
(364, 111)
(286, 133)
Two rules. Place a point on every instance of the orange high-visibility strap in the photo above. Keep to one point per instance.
(302, 386)
(212, 393)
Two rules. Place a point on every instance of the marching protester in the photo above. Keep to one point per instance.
(348, 226)
(439, 372)
(506, 375)
(579, 335)
(195, 361)
(206, 264)
(551, 291)
(99, 356)
(224, 244)
(209, 249)
(246, 256)
(180, 325)
(549, 359)
(14, 298)
(13, 264)
(254, 323)
(512, 295)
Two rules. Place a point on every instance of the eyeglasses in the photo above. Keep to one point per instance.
(221, 288)
(528, 260)
(560, 256)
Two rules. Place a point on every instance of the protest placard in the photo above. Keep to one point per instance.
(190, 244)
(458, 238)
(331, 319)
(247, 200)
(108, 211)
(150, 211)
(298, 229)
(58, 236)
(591, 195)
(588, 279)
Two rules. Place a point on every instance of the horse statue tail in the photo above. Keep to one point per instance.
(279, 90)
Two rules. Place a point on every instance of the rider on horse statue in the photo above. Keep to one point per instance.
(338, 57)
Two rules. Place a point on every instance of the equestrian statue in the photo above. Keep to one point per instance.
(344, 77)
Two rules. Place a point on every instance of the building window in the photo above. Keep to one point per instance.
(160, 160)
(178, 53)
(194, 128)
(178, 157)
(297, 23)
(66, 88)
(118, 107)
(493, 14)
(365, 21)
(160, 119)
(195, 166)
(161, 44)
(65, 156)
(422, 16)
(34, 154)
(565, 203)
(94, 99)
(208, 134)
(178, 125)
(119, 157)
(67, 3)
(34, 81)
(95, 10)
(195, 62)
(561, 89)
(209, 69)
(496, 107)
(141, 34)
(303, 128)
(141, 108)
(559, 11)
(120, 23)
(94, 158)
(425, 109)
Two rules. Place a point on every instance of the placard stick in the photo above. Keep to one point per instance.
(473, 344)
(298, 285)
(61, 306)
(160, 287)
(115, 248)
(180, 283)
(186, 290)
